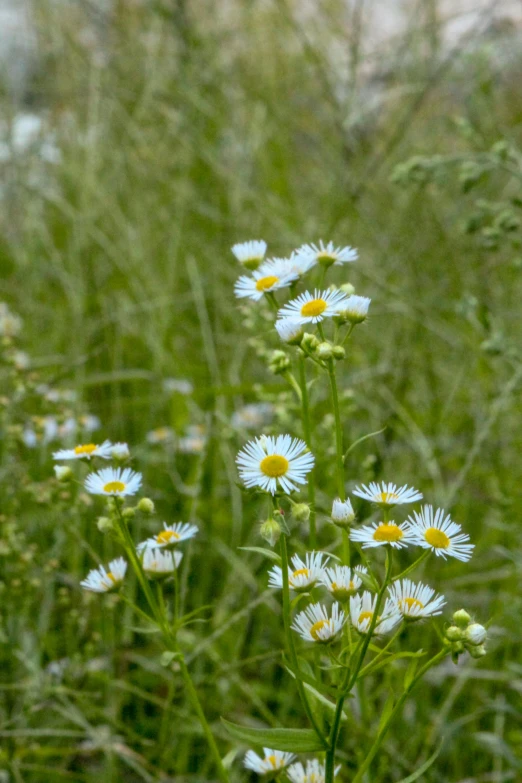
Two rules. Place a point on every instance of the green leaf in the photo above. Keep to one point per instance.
(261, 551)
(168, 656)
(368, 581)
(387, 711)
(427, 764)
(390, 659)
(331, 705)
(361, 440)
(294, 740)
(410, 671)
(138, 629)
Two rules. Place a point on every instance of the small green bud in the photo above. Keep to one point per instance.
(454, 633)
(338, 352)
(105, 525)
(128, 513)
(477, 651)
(476, 634)
(347, 288)
(146, 506)
(461, 618)
(325, 351)
(63, 473)
(270, 531)
(309, 342)
(278, 362)
(301, 512)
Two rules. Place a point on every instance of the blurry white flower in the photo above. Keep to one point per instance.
(62, 472)
(101, 581)
(289, 331)
(113, 481)
(89, 423)
(313, 773)
(342, 581)
(387, 494)
(158, 564)
(120, 451)
(415, 601)
(314, 625)
(435, 531)
(250, 254)
(170, 536)
(252, 416)
(194, 440)
(361, 613)
(10, 323)
(303, 576)
(85, 451)
(382, 534)
(268, 461)
(21, 360)
(180, 385)
(313, 308)
(326, 255)
(272, 761)
(160, 435)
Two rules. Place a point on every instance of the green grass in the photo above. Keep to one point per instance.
(180, 136)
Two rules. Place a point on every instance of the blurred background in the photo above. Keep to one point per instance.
(140, 139)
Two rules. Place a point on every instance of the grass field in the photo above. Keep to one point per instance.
(169, 131)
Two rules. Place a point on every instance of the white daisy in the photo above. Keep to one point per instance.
(120, 451)
(273, 760)
(158, 564)
(384, 494)
(313, 773)
(313, 308)
(101, 581)
(361, 614)
(382, 534)
(160, 435)
(434, 530)
(113, 481)
(271, 276)
(267, 461)
(250, 254)
(289, 331)
(415, 601)
(342, 581)
(86, 451)
(342, 512)
(314, 625)
(326, 255)
(170, 536)
(304, 574)
(355, 310)
(252, 416)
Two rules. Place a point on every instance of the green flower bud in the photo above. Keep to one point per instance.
(146, 506)
(347, 288)
(309, 342)
(63, 473)
(454, 633)
(270, 531)
(338, 352)
(461, 618)
(278, 362)
(105, 525)
(325, 351)
(477, 651)
(301, 512)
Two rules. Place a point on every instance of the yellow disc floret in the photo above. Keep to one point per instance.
(437, 538)
(386, 497)
(274, 466)
(166, 537)
(388, 532)
(265, 283)
(316, 627)
(313, 308)
(365, 616)
(114, 486)
(87, 448)
(407, 604)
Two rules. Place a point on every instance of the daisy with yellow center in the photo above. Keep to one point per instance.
(362, 608)
(269, 462)
(314, 308)
(100, 580)
(436, 530)
(113, 482)
(314, 772)
(342, 581)
(387, 494)
(86, 451)
(271, 276)
(415, 601)
(314, 625)
(272, 761)
(383, 534)
(250, 254)
(303, 575)
(170, 536)
(326, 255)
(158, 564)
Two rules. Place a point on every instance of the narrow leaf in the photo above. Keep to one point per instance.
(261, 551)
(387, 711)
(294, 740)
(425, 767)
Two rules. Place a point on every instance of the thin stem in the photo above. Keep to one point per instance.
(305, 407)
(346, 547)
(338, 430)
(414, 565)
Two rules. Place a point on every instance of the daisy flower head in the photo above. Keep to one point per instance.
(120, 451)
(289, 331)
(250, 254)
(326, 255)
(314, 308)
(272, 761)
(342, 513)
(436, 530)
(389, 495)
(86, 451)
(314, 625)
(383, 534)
(303, 576)
(271, 276)
(170, 536)
(355, 310)
(268, 461)
(362, 608)
(314, 772)
(99, 580)
(158, 564)
(113, 482)
(415, 601)
(342, 581)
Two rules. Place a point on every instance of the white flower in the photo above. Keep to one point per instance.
(304, 574)
(384, 494)
(120, 451)
(194, 440)
(160, 435)
(476, 633)
(289, 330)
(341, 581)
(10, 323)
(113, 481)
(86, 451)
(342, 512)
(101, 581)
(415, 601)
(158, 564)
(435, 531)
(271, 276)
(361, 613)
(180, 385)
(314, 772)
(251, 253)
(268, 461)
(62, 472)
(252, 416)
(313, 308)
(326, 255)
(273, 760)
(355, 309)
(382, 534)
(89, 423)
(314, 625)
(170, 536)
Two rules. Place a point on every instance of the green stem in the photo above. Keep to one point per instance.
(414, 565)
(346, 547)
(305, 407)
(338, 430)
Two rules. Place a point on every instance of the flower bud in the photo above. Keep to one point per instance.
(325, 351)
(338, 352)
(461, 618)
(105, 525)
(128, 513)
(476, 634)
(63, 473)
(342, 513)
(146, 506)
(278, 362)
(289, 331)
(120, 452)
(454, 633)
(270, 531)
(301, 512)
(355, 310)
(477, 651)
(347, 288)
(309, 342)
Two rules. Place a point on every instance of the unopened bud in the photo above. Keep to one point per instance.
(342, 513)
(270, 531)
(325, 351)
(476, 634)
(309, 342)
(477, 651)
(454, 633)
(289, 331)
(105, 525)
(301, 512)
(461, 618)
(278, 362)
(338, 352)
(146, 506)
(347, 288)
(128, 513)
(63, 473)
(120, 451)
(354, 310)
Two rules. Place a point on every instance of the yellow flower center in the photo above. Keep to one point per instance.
(313, 308)
(114, 486)
(410, 603)
(272, 761)
(167, 535)
(437, 538)
(111, 576)
(386, 497)
(301, 572)
(274, 466)
(388, 532)
(365, 616)
(264, 283)
(88, 448)
(316, 627)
